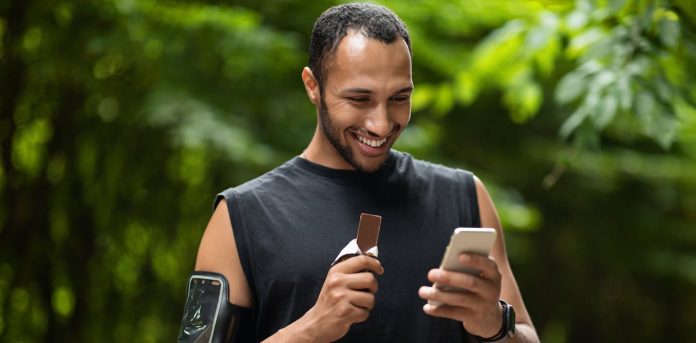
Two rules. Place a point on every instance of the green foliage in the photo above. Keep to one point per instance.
(630, 59)
(120, 121)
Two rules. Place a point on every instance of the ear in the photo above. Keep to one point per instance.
(311, 85)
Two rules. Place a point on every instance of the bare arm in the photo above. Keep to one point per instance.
(478, 309)
(218, 253)
(509, 292)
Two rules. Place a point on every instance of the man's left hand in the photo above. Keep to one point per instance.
(476, 305)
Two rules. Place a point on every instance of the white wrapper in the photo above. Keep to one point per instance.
(353, 249)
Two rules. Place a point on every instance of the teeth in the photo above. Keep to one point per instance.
(371, 142)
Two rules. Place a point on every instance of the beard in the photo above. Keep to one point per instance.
(333, 134)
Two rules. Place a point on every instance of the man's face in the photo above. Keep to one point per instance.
(366, 101)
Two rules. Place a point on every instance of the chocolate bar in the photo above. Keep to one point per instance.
(366, 241)
(368, 231)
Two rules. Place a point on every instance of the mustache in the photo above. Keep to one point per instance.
(395, 128)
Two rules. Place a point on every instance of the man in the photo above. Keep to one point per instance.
(274, 237)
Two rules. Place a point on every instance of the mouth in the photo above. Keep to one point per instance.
(375, 143)
(371, 146)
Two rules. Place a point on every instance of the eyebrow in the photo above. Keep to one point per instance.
(367, 91)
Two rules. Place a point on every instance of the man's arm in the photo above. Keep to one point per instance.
(510, 292)
(218, 253)
(479, 309)
(346, 297)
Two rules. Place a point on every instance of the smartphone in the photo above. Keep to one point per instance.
(207, 293)
(465, 240)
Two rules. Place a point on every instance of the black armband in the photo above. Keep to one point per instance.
(208, 314)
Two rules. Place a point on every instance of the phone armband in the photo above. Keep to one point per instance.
(208, 314)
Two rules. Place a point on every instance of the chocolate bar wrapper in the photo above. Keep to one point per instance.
(352, 250)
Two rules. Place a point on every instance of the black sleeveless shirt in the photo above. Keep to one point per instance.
(290, 223)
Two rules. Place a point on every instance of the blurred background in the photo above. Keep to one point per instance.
(121, 120)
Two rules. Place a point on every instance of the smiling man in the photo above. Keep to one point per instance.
(363, 103)
(274, 237)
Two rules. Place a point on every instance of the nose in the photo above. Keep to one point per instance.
(378, 123)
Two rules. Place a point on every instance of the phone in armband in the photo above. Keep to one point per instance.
(205, 301)
(465, 240)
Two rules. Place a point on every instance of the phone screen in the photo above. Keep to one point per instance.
(201, 306)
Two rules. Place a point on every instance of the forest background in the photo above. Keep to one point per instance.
(121, 119)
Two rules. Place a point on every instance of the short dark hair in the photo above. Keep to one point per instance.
(371, 20)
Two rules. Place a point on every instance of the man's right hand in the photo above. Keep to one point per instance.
(347, 296)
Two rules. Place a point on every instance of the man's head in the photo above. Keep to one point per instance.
(372, 21)
(359, 77)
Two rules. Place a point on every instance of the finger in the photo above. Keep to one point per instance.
(360, 315)
(446, 311)
(362, 300)
(359, 264)
(362, 281)
(452, 298)
(459, 280)
(486, 265)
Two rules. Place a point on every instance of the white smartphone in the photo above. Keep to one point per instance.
(465, 240)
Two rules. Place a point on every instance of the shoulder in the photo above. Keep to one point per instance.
(269, 182)
(430, 171)
(488, 212)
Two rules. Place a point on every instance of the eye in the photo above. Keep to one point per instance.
(359, 99)
(401, 98)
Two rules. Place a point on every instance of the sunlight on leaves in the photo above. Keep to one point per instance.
(63, 301)
(29, 144)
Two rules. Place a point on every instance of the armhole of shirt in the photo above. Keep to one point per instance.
(470, 217)
(240, 235)
(470, 206)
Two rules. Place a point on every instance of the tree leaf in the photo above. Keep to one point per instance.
(665, 129)
(580, 43)
(669, 30)
(571, 86)
(606, 111)
(422, 97)
(574, 121)
(444, 100)
(645, 108)
(466, 87)
(623, 91)
(524, 101)
(664, 89)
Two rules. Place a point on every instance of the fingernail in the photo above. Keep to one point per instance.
(437, 273)
(428, 308)
(464, 258)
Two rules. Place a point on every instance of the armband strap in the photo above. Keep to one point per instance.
(208, 314)
(239, 325)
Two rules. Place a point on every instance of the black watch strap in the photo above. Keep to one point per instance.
(508, 327)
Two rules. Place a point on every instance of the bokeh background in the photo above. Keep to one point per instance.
(121, 119)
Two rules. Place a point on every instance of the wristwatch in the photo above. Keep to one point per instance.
(508, 328)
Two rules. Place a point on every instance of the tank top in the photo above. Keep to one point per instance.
(290, 223)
